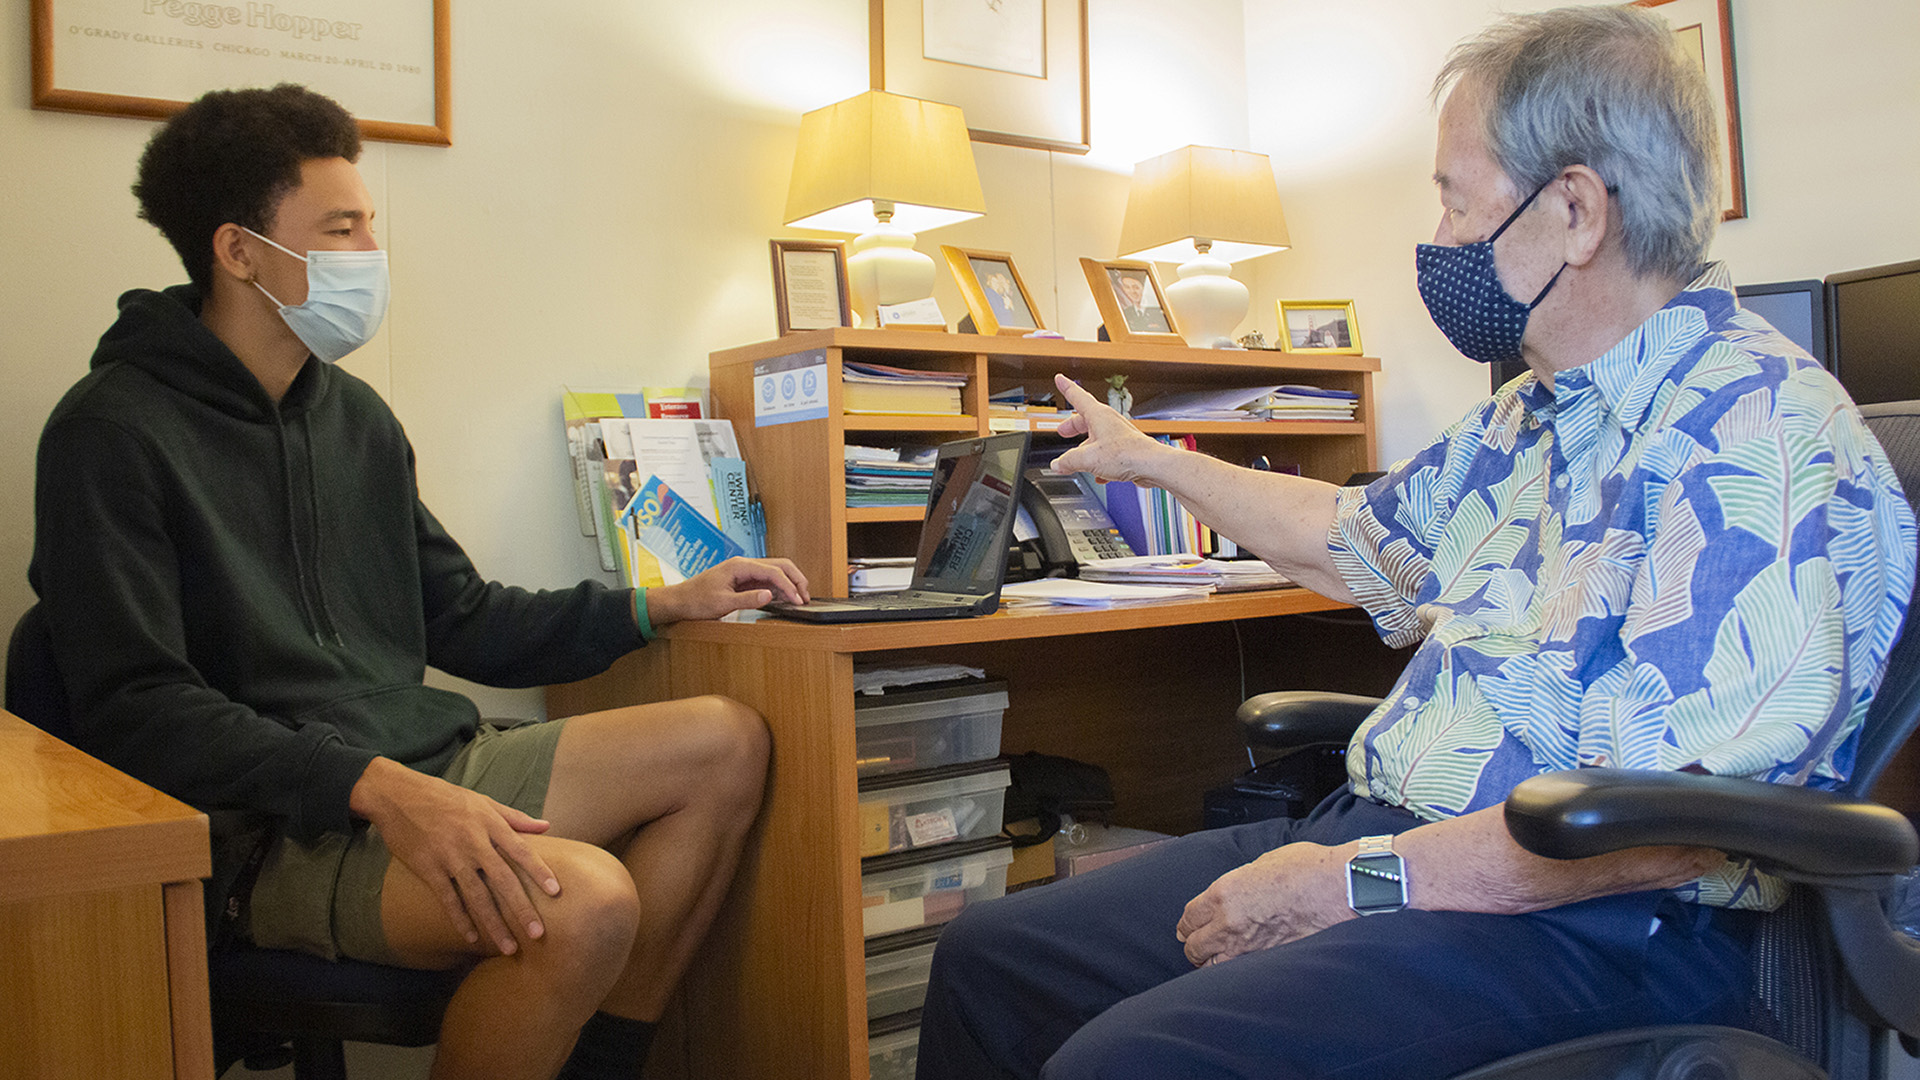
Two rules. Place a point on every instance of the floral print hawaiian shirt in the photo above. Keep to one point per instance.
(1687, 554)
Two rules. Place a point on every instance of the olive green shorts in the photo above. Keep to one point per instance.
(324, 898)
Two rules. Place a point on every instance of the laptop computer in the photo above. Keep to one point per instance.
(962, 560)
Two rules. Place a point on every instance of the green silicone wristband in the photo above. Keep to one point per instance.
(647, 632)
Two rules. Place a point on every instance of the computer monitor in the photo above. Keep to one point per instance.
(1873, 328)
(1797, 309)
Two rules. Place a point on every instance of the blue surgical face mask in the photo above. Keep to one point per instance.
(347, 294)
(1464, 295)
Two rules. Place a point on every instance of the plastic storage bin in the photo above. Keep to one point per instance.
(893, 1048)
(926, 888)
(935, 806)
(909, 729)
(897, 970)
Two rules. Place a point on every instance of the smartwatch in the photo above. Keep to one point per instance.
(1376, 878)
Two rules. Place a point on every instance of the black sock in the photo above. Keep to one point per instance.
(610, 1048)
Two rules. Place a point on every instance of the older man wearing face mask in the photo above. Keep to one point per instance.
(1630, 557)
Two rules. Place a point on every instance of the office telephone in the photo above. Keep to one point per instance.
(1072, 521)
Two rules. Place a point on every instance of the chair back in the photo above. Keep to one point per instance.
(35, 692)
(1800, 993)
(1896, 709)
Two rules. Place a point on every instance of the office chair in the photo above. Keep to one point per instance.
(1832, 974)
(269, 1006)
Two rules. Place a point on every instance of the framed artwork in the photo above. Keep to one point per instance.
(1705, 30)
(1132, 303)
(1318, 326)
(385, 61)
(1016, 68)
(810, 284)
(996, 297)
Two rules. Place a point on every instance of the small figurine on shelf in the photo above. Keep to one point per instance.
(1119, 396)
(1256, 340)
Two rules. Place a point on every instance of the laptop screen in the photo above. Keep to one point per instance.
(970, 511)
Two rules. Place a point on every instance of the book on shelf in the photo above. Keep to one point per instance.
(888, 476)
(879, 388)
(903, 397)
(1153, 522)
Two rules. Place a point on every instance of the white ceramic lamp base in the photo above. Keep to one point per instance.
(1207, 302)
(883, 268)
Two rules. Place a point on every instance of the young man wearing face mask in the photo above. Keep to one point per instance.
(244, 591)
(1619, 560)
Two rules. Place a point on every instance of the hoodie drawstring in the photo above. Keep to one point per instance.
(313, 502)
(319, 620)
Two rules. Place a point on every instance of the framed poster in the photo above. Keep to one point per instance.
(810, 285)
(1016, 68)
(1705, 30)
(385, 61)
(996, 297)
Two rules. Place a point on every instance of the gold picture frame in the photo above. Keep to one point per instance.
(996, 297)
(1334, 332)
(1024, 84)
(350, 50)
(1705, 30)
(810, 284)
(1132, 318)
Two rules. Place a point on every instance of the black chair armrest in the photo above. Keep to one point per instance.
(1290, 718)
(1845, 847)
(1792, 831)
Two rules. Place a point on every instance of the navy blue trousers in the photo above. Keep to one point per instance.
(1083, 978)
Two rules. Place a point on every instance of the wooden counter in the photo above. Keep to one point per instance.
(103, 965)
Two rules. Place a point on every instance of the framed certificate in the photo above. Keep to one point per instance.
(810, 284)
(384, 61)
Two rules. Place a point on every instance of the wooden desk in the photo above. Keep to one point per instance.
(103, 950)
(1148, 692)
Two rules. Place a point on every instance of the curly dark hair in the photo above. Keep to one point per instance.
(231, 156)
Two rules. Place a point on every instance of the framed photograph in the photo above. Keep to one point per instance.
(1016, 68)
(996, 297)
(385, 61)
(1705, 30)
(810, 284)
(1318, 326)
(1132, 303)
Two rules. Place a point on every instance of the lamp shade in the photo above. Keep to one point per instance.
(879, 154)
(1222, 198)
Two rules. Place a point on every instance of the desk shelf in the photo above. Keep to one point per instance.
(799, 471)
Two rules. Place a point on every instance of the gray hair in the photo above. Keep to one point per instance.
(1606, 87)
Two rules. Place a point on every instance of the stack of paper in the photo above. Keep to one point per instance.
(1083, 593)
(879, 574)
(1305, 403)
(878, 388)
(1228, 575)
(1204, 404)
(879, 476)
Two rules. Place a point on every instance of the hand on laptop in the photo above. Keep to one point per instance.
(731, 586)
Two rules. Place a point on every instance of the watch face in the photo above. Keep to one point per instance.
(1369, 894)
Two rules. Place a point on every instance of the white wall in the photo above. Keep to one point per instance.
(601, 220)
(1830, 110)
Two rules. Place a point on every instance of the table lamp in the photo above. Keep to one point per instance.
(1204, 207)
(884, 166)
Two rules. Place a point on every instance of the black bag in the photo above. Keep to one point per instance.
(1047, 787)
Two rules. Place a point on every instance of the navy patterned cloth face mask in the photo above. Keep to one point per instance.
(1464, 295)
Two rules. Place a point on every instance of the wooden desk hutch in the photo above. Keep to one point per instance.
(1148, 692)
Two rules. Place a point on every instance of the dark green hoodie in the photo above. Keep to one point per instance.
(244, 598)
